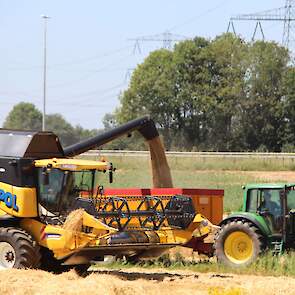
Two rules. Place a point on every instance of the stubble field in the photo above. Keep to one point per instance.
(138, 282)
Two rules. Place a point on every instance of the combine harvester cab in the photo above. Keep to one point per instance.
(53, 215)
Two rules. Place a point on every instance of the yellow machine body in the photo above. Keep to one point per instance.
(65, 243)
(72, 164)
(18, 201)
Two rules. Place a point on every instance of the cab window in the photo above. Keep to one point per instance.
(49, 194)
(253, 200)
(271, 201)
(291, 199)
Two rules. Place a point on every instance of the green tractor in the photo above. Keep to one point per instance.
(267, 221)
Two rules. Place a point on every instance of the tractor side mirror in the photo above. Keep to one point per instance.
(45, 176)
(111, 170)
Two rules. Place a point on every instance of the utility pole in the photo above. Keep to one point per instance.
(45, 18)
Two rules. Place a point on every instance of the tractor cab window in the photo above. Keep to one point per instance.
(266, 202)
(271, 201)
(271, 209)
(291, 199)
(62, 188)
(252, 200)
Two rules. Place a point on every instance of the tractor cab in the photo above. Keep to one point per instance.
(265, 201)
(61, 182)
(275, 203)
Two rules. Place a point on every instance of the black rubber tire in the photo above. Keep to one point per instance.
(51, 264)
(248, 228)
(27, 251)
(82, 269)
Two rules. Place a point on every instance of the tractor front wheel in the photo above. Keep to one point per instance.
(238, 244)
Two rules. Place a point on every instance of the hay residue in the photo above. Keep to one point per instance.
(74, 220)
(160, 168)
(139, 281)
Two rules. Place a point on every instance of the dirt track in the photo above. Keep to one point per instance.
(139, 281)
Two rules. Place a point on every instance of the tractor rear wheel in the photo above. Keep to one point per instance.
(238, 244)
(18, 249)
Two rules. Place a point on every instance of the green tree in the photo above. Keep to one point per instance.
(289, 110)
(164, 87)
(24, 116)
(109, 121)
(261, 111)
(63, 129)
(227, 66)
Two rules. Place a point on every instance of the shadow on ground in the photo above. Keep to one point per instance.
(132, 276)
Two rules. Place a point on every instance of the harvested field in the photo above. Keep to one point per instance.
(273, 176)
(139, 281)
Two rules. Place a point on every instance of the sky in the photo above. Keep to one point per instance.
(91, 49)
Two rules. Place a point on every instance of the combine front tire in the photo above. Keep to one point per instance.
(17, 249)
(238, 244)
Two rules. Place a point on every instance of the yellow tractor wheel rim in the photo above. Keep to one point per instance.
(238, 247)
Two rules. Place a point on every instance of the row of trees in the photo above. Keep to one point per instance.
(222, 94)
(26, 116)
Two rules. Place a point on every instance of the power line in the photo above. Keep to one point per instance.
(73, 62)
(92, 93)
(89, 75)
(197, 17)
(90, 105)
(96, 57)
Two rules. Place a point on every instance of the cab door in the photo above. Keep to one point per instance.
(267, 203)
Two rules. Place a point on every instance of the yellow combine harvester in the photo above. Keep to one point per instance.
(54, 214)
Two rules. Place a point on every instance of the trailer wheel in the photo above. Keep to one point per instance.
(238, 244)
(18, 249)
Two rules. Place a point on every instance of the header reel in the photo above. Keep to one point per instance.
(147, 212)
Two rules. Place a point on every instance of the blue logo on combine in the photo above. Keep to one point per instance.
(9, 200)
